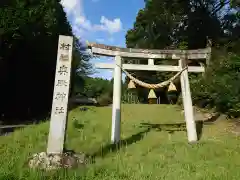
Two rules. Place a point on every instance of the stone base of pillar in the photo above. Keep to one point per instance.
(48, 162)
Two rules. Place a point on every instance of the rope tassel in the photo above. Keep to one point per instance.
(131, 85)
(152, 94)
(172, 87)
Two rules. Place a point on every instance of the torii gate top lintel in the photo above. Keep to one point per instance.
(106, 50)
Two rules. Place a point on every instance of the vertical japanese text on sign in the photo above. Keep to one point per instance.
(60, 96)
(59, 110)
(63, 70)
(64, 46)
(62, 83)
(64, 57)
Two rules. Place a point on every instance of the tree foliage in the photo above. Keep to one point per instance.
(29, 31)
(98, 88)
(219, 88)
(172, 24)
(163, 24)
(94, 87)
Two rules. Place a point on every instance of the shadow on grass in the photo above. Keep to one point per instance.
(170, 128)
(77, 125)
(115, 147)
(175, 127)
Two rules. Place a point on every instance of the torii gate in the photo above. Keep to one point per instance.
(181, 55)
(59, 112)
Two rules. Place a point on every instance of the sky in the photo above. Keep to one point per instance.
(102, 21)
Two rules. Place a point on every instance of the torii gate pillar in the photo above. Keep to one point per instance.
(116, 107)
(187, 103)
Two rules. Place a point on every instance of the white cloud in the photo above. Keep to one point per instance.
(83, 27)
(69, 4)
(73, 6)
(78, 31)
(75, 9)
(82, 22)
(111, 26)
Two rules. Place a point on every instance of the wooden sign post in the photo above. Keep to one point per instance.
(60, 96)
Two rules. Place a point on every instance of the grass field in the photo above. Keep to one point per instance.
(150, 149)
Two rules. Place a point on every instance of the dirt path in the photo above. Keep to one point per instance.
(204, 115)
(232, 125)
(5, 129)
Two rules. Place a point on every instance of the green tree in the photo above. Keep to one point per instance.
(155, 28)
(220, 87)
(167, 24)
(95, 87)
(29, 33)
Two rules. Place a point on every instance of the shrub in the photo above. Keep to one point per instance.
(104, 99)
(220, 87)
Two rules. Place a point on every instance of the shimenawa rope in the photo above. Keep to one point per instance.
(152, 86)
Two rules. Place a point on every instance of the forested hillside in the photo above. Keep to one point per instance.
(175, 24)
